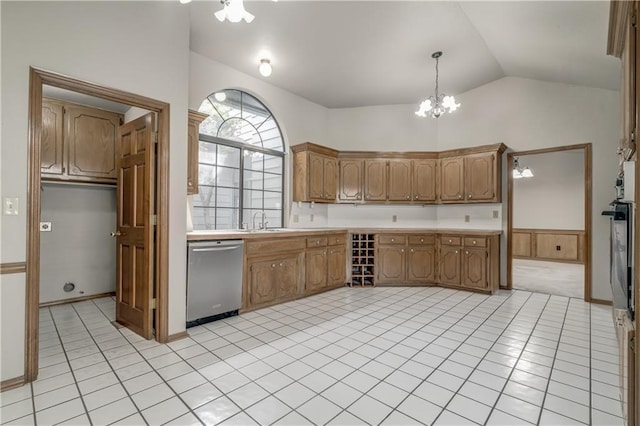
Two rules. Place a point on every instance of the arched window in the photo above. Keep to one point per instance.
(241, 164)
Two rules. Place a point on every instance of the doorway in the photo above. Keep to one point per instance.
(159, 192)
(549, 221)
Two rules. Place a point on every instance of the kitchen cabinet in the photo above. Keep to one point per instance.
(273, 279)
(316, 269)
(78, 143)
(315, 173)
(336, 265)
(375, 180)
(350, 180)
(470, 262)
(193, 149)
(474, 267)
(399, 180)
(406, 259)
(421, 259)
(423, 182)
(449, 263)
(391, 265)
(472, 178)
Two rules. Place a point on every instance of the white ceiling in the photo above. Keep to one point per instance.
(358, 53)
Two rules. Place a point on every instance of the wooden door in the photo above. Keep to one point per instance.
(330, 178)
(479, 182)
(286, 279)
(316, 269)
(263, 281)
(421, 262)
(450, 265)
(135, 230)
(399, 180)
(424, 180)
(451, 179)
(474, 268)
(316, 177)
(375, 180)
(51, 148)
(336, 266)
(350, 180)
(391, 264)
(90, 138)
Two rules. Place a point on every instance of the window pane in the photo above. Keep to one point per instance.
(204, 218)
(253, 160)
(272, 200)
(207, 153)
(227, 218)
(206, 174)
(274, 217)
(272, 182)
(270, 134)
(228, 177)
(237, 129)
(252, 199)
(273, 164)
(228, 156)
(204, 197)
(227, 197)
(253, 180)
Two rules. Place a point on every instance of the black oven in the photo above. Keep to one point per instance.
(621, 256)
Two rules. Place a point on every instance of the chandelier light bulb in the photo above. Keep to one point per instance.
(220, 96)
(265, 67)
(234, 11)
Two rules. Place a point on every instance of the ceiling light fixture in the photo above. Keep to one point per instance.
(520, 172)
(440, 103)
(265, 67)
(234, 11)
(185, 1)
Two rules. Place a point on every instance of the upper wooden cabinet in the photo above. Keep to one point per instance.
(193, 149)
(78, 142)
(315, 173)
(470, 175)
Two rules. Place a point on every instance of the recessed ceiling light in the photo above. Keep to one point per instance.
(265, 67)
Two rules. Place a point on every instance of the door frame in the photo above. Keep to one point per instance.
(38, 78)
(587, 210)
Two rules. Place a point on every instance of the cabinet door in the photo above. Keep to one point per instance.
(287, 277)
(391, 264)
(451, 179)
(421, 262)
(350, 180)
(90, 137)
(51, 150)
(330, 177)
(399, 180)
(316, 269)
(263, 281)
(474, 268)
(375, 180)
(316, 176)
(424, 180)
(450, 265)
(479, 173)
(193, 150)
(337, 266)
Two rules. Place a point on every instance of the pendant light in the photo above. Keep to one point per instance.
(234, 12)
(440, 103)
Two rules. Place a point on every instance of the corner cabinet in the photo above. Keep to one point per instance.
(470, 262)
(78, 143)
(193, 149)
(315, 173)
(473, 178)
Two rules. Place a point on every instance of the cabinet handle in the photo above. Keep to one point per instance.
(401, 250)
(318, 242)
(459, 196)
(273, 265)
(281, 264)
(449, 241)
(393, 239)
(456, 251)
(408, 197)
(331, 252)
(416, 197)
(190, 183)
(474, 242)
(469, 196)
(411, 250)
(422, 240)
(467, 252)
(338, 241)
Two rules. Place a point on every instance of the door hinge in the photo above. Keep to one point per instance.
(155, 137)
(153, 304)
(154, 219)
(633, 136)
(634, 19)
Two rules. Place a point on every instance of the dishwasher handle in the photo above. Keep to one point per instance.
(223, 248)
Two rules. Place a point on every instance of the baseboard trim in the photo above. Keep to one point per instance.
(601, 302)
(12, 383)
(77, 299)
(13, 268)
(177, 336)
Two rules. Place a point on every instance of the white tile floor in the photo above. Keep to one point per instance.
(393, 356)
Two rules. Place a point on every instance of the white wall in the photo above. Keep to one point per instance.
(554, 197)
(529, 114)
(78, 249)
(140, 47)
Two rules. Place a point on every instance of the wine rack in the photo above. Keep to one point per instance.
(363, 259)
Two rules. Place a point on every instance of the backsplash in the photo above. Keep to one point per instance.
(382, 216)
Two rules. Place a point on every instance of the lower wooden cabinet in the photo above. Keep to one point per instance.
(474, 268)
(470, 262)
(421, 262)
(316, 269)
(449, 263)
(336, 265)
(406, 259)
(391, 265)
(273, 279)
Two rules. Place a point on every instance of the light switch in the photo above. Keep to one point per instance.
(10, 206)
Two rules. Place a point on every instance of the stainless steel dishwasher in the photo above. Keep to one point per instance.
(214, 280)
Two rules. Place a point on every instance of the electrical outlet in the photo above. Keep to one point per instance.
(10, 206)
(467, 218)
(296, 218)
(311, 218)
(495, 214)
(394, 218)
(45, 226)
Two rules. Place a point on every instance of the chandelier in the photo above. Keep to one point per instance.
(234, 11)
(440, 103)
(520, 172)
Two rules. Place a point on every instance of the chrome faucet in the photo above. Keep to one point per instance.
(263, 223)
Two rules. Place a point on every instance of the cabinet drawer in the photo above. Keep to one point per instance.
(335, 240)
(422, 240)
(389, 239)
(316, 242)
(475, 242)
(449, 240)
(268, 247)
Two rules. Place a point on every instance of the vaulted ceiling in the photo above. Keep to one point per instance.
(358, 53)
